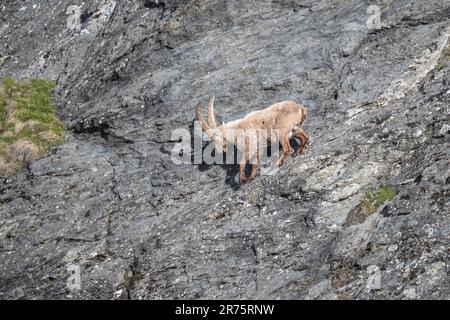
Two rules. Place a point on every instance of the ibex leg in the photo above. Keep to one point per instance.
(286, 146)
(300, 134)
(255, 166)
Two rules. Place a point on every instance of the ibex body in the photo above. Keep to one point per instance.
(279, 121)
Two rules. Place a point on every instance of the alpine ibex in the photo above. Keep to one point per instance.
(279, 121)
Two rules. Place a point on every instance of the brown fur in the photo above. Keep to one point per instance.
(287, 117)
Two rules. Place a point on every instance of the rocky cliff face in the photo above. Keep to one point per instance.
(109, 215)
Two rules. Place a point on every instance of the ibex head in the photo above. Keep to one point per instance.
(216, 134)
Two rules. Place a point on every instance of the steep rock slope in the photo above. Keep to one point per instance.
(110, 209)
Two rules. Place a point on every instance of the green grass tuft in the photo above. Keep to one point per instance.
(27, 113)
(375, 199)
(3, 113)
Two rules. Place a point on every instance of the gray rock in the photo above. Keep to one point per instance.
(108, 215)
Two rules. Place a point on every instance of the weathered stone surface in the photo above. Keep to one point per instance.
(111, 205)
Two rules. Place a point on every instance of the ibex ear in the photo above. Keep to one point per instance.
(304, 113)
